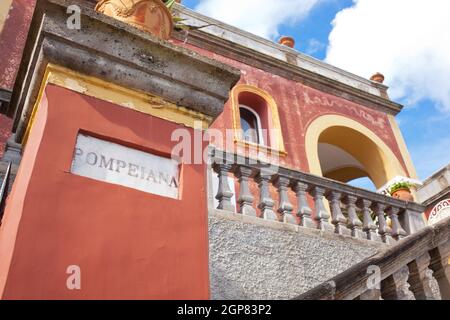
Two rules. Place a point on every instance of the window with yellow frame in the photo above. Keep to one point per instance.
(256, 120)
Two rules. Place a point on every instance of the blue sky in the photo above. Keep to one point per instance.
(366, 36)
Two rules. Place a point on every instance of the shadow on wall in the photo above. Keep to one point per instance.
(5, 132)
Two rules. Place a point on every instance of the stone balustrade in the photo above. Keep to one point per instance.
(301, 199)
(407, 270)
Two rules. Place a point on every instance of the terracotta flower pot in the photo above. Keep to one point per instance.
(403, 194)
(149, 15)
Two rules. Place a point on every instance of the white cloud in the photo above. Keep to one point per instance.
(406, 40)
(314, 46)
(261, 17)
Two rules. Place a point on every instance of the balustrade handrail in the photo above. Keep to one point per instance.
(353, 282)
(237, 159)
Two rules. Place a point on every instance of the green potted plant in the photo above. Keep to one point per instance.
(401, 190)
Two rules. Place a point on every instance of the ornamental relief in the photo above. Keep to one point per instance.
(151, 16)
(313, 100)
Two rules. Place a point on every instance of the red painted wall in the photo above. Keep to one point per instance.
(128, 244)
(12, 40)
(298, 107)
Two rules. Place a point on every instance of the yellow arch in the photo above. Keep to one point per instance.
(346, 174)
(380, 163)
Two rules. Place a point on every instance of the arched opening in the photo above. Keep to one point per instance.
(340, 165)
(344, 150)
(346, 154)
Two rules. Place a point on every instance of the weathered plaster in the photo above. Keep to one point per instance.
(12, 40)
(252, 258)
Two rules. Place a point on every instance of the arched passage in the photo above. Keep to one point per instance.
(342, 149)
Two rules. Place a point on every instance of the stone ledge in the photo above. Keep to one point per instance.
(114, 51)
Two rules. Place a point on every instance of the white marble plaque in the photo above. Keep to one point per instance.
(113, 163)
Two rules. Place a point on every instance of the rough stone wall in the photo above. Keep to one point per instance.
(255, 259)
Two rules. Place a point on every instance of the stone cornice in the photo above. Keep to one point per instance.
(437, 197)
(116, 52)
(266, 55)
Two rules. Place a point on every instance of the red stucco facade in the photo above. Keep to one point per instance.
(129, 244)
(298, 106)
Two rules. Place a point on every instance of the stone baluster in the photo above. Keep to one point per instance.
(371, 294)
(441, 269)
(337, 218)
(369, 227)
(266, 202)
(397, 230)
(224, 193)
(321, 216)
(396, 286)
(285, 207)
(353, 222)
(246, 198)
(383, 229)
(304, 212)
(419, 278)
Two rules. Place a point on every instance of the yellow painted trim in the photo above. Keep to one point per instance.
(44, 83)
(128, 98)
(392, 165)
(346, 174)
(5, 5)
(278, 148)
(403, 148)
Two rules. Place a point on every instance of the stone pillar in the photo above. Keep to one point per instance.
(383, 229)
(266, 202)
(412, 221)
(372, 294)
(353, 222)
(369, 227)
(303, 211)
(396, 287)
(285, 208)
(397, 231)
(337, 218)
(321, 215)
(419, 279)
(441, 269)
(224, 193)
(245, 196)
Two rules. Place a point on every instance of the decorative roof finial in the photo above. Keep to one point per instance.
(287, 41)
(377, 77)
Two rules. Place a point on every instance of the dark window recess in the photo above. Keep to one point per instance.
(249, 125)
